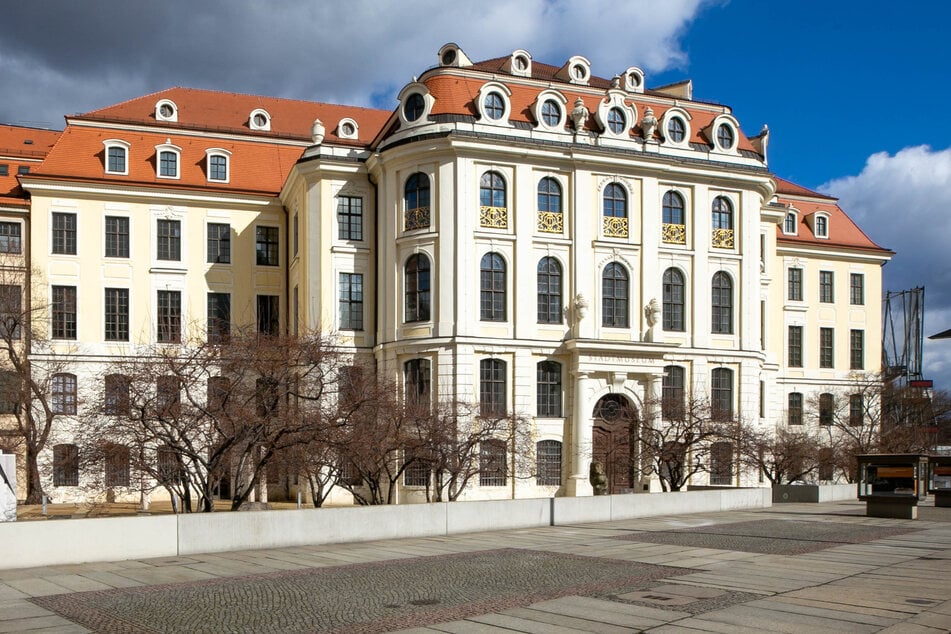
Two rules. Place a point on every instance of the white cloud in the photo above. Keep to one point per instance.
(92, 54)
(903, 202)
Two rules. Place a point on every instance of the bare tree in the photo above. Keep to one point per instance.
(781, 455)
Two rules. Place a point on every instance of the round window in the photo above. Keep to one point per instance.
(494, 106)
(676, 130)
(414, 107)
(616, 120)
(725, 136)
(551, 113)
(634, 79)
(348, 129)
(521, 63)
(578, 71)
(166, 110)
(260, 120)
(449, 57)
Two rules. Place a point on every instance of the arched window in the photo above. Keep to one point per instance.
(721, 394)
(673, 208)
(794, 408)
(117, 399)
(116, 459)
(672, 393)
(416, 202)
(722, 213)
(492, 388)
(549, 195)
(722, 303)
(549, 291)
(673, 300)
(789, 224)
(676, 130)
(548, 463)
(417, 288)
(548, 397)
(493, 212)
(492, 463)
(826, 409)
(615, 201)
(65, 465)
(63, 396)
(615, 285)
(416, 373)
(616, 120)
(721, 463)
(492, 287)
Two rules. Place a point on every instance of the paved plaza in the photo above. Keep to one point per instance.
(790, 568)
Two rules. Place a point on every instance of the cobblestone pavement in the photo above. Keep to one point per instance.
(852, 574)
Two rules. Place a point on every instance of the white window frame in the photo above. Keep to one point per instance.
(158, 110)
(226, 154)
(616, 99)
(266, 126)
(177, 151)
(734, 126)
(345, 135)
(684, 116)
(795, 214)
(503, 91)
(117, 143)
(815, 224)
(428, 102)
(558, 98)
(634, 80)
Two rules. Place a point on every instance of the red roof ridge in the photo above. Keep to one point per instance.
(790, 188)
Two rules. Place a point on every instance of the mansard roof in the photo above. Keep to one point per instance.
(20, 146)
(213, 111)
(843, 231)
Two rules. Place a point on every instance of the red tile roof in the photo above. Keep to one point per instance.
(226, 112)
(21, 147)
(789, 188)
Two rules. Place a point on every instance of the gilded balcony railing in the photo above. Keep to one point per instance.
(417, 218)
(674, 234)
(723, 238)
(615, 227)
(551, 222)
(494, 217)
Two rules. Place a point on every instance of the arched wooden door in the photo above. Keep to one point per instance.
(614, 439)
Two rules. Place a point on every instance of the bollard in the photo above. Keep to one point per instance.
(298, 501)
(44, 505)
(174, 504)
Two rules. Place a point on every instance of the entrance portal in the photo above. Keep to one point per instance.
(614, 441)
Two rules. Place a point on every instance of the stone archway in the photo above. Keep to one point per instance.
(614, 442)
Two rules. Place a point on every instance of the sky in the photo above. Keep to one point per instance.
(854, 91)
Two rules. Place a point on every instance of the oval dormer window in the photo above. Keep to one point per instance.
(725, 137)
(616, 120)
(449, 57)
(494, 106)
(260, 120)
(578, 71)
(551, 113)
(521, 62)
(676, 130)
(166, 110)
(348, 129)
(415, 106)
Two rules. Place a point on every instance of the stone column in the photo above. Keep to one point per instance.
(578, 484)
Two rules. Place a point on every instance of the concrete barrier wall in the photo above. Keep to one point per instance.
(813, 493)
(838, 492)
(53, 542)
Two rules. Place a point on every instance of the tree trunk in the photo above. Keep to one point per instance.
(34, 486)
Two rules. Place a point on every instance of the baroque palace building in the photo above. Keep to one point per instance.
(529, 237)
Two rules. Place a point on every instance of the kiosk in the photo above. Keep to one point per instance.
(892, 484)
(939, 479)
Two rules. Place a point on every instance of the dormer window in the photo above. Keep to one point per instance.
(725, 137)
(166, 110)
(576, 70)
(790, 224)
(520, 64)
(217, 161)
(414, 107)
(493, 103)
(551, 113)
(117, 156)
(676, 130)
(724, 133)
(676, 126)
(167, 157)
(347, 129)
(634, 79)
(821, 225)
(616, 120)
(259, 120)
(550, 110)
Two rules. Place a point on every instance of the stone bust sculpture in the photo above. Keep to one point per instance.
(598, 479)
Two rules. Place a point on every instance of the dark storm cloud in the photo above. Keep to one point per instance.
(59, 57)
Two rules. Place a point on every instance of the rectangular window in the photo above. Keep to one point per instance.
(117, 398)
(351, 301)
(9, 392)
(722, 395)
(266, 245)
(219, 317)
(349, 218)
(721, 463)
(826, 346)
(857, 289)
(116, 465)
(296, 233)
(168, 395)
(492, 463)
(795, 346)
(219, 243)
(548, 463)
(169, 317)
(548, 398)
(64, 234)
(795, 285)
(826, 409)
(168, 164)
(269, 317)
(416, 473)
(169, 240)
(117, 237)
(857, 350)
(794, 408)
(856, 410)
(10, 240)
(492, 388)
(11, 311)
(826, 291)
(4, 169)
(218, 168)
(64, 312)
(65, 465)
(117, 314)
(23, 169)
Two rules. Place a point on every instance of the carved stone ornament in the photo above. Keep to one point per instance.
(598, 479)
(317, 132)
(579, 114)
(581, 306)
(652, 312)
(648, 124)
